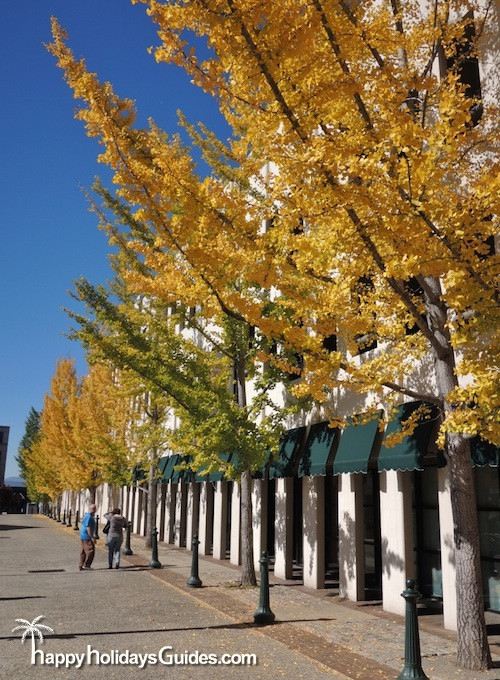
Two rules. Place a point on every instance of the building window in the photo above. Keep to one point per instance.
(365, 341)
(465, 64)
(415, 290)
(330, 343)
(488, 494)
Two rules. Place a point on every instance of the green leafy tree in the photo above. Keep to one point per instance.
(28, 440)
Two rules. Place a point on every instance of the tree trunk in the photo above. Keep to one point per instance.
(151, 502)
(473, 650)
(92, 491)
(246, 528)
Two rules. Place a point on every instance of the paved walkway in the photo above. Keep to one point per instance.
(353, 640)
(117, 610)
(315, 636)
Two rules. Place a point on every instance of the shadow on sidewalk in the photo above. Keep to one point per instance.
(24, 597)
(9, 527)
(223, 626)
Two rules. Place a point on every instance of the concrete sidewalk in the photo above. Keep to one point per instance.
(315, 635)
(118, 612)
(359, 642)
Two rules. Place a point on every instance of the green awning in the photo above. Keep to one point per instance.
(285, 463)
(216, 475)
(162, 464)
(168, 466)
(484, 453)
(180, 475)
(317, 450)
(408, 454)
(357, 441)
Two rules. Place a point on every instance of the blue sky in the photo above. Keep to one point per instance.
(48, 236)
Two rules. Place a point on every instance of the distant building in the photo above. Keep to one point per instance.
(4, 440)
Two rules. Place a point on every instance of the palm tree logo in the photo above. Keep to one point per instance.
(33, 628)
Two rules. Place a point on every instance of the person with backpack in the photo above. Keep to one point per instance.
(113, 529)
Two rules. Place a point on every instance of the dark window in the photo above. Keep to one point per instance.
(297, 361)
(413, 287)
(251, 336)
(487, 248)
(488, 494)
(330, 343)
(463, 62)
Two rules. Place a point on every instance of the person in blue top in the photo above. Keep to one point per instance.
(87, 530)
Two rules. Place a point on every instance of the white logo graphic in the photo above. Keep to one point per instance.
(32, 628)
(116, 657)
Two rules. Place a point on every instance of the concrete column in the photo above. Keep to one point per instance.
(192, 512)
(351, 538)
(124, 500)
(131, 505)
(448, 569)
(180, 516)
(313, 512)
(259, 518)
(144, 509)
(136, 526)
(220, 520)
(396, 528)
(128, 502)
(235, 554)
(169, 521)
(206, 517)
(160, 509)
(64, 503)
(283, 529)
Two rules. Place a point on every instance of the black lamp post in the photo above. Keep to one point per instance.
(263, 614)
(194, 580)
(413, 662)
(154, 563)
(128, 550)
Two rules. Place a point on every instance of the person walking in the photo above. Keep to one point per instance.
(114, 538)
(87, 531)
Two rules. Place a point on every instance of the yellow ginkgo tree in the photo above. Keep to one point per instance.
(357, 198)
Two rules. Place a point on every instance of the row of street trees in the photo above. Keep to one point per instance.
(355, 203)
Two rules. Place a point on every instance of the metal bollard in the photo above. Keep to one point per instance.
(96, 535)
(77, 517)
(194, 580)
(263, 613)
(69, 519)
(128, 550)
(155, 563)
(413, 663)
(64, 518)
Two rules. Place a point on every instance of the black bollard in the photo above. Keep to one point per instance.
(263, 613)
(194, 580)
(155, 564)
(413, 663)
(64, 518)
(77, 517)
(69, 518)
(96, 535)
(128, 550)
